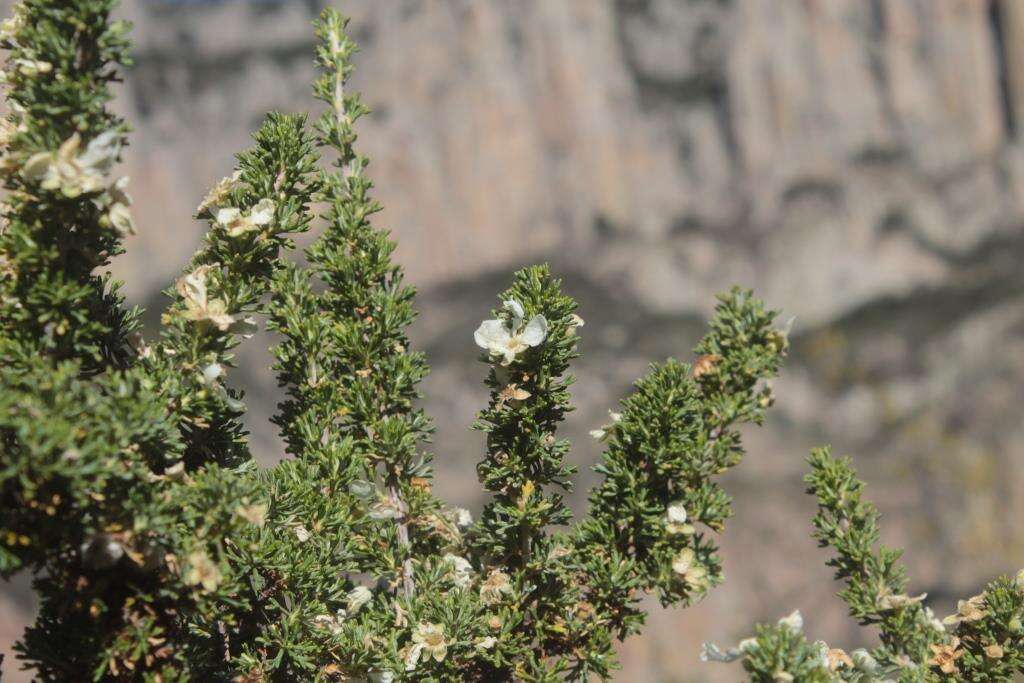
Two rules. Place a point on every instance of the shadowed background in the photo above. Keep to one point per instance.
(857, 162)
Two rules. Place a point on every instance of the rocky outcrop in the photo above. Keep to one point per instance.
(855, 161)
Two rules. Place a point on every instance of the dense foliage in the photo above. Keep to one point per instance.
(163, 553)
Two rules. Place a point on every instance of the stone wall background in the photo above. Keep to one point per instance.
(857, 162)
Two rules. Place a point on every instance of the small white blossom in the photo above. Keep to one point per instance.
(888, 601)
(429, 639)
(675, 519)
(462, 570)
(709, 652)
(863, 660)
(507, 339)
(927, 617)
(385, 509)
(495, 587)
(330, 622)
(255, 514)
(120, 217)
(212, 373)
(236, 223)
(794, 621)
(605, 431)
(176, 472)
(971, 609)
(32, 67)
(676, 513)
(10, 27)
(73, 173)
(463, 518)
(202, 309)
(686, 566)
(360, 488)
(357, 597)
(202, 571)
(213, 200)
(301, 533)
(486, 643)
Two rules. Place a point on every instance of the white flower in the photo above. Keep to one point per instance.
(255, 514)
(927, 617)
(33, 67)
(120, 217)
(331, 622)
(381, 677)
(486, 643)
(971, 609)
(495, 587)
(73, 173)
(212, 372)
(202, 309)
(301, 533)
(794, 621)
(119, 191)
(823, 660)
(427, 638)
(462, 570)
(10, 26)
(888, 601)
(709, 652)
(412, 657)
(605, 431)
(357, 597)
(218, 194)
(102, 151)
(211, 376)
(385, 509)
(237, 223)
(863, 660)
(360, 488)
(676, 513)
(686, 566)
(176, 472)
(508, 339)
(675, 519)
(202, 571)
(463, 518)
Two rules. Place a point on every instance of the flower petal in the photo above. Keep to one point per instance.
(37, 166)
(492, 335)
(102, 151)
(515, 308)
(535, 332)
(262, 213)
(228, 215)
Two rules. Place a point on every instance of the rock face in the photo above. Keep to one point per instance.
(857, 162)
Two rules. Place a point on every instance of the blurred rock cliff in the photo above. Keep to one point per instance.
(857, 162)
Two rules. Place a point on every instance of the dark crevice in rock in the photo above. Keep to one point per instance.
(996, 21)
(707, 85)
(829, 191)
(877, 65)
(985, 278)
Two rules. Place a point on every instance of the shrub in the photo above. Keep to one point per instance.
(163, 553)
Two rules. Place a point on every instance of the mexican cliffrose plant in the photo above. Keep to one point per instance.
(163, 553)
